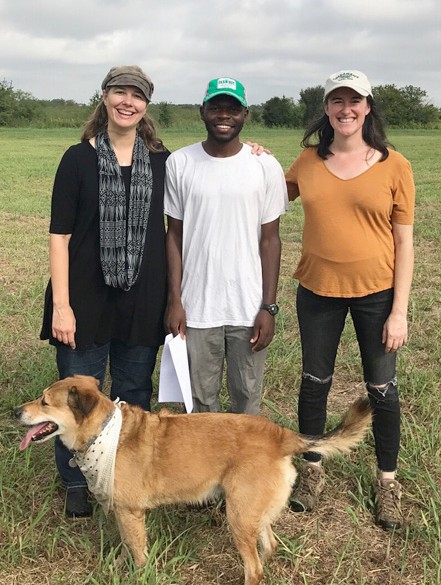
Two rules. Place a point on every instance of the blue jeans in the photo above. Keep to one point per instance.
(321, 322)
(131, 370)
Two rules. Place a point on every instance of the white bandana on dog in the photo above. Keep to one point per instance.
(98, 462)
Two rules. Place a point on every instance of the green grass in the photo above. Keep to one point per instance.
(337, 545)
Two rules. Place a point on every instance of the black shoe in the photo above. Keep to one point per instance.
(77, 503)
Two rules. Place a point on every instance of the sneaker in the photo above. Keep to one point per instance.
(311, 484)
(77, 503)
(388, 504)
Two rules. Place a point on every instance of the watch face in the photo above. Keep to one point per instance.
(272, 309)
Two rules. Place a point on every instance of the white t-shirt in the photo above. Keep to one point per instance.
(222, 202)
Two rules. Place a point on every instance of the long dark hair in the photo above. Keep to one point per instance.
(374, 133)
(98, 121)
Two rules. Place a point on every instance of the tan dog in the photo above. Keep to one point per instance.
(165, 458)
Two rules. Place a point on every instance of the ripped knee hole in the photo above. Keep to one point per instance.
(308, 376)
(385, 392)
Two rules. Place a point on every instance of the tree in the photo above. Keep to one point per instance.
(312, 100)
(277, 112)
(420, 111)
(17, 107)
(7, 103)
(281, 112)
(405, 107)
(165, 115)
(95, 100)
(391, 104)
(27, 108)
(255, 115)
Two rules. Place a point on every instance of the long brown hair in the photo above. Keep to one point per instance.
(98, 121)
(374, 133)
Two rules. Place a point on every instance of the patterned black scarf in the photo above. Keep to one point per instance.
(122, 229)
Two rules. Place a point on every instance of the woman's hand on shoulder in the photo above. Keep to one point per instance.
(257, 148)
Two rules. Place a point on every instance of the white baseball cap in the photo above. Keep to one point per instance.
(356, 80)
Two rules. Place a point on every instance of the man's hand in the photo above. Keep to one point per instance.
(174, 320)
(263, 330)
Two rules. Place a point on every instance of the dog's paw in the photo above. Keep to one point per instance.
(121, 560)
(126, 558)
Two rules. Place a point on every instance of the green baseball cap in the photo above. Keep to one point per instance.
(226, 86)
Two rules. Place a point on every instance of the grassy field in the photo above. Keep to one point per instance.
(337, 545)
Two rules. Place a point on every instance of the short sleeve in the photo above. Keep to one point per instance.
(276, 200)
(172, 198)
(292, 180)
(404, 193)
(65, 194)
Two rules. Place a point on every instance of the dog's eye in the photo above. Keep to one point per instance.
(43, 402)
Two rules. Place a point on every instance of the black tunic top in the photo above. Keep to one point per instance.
(103, 313)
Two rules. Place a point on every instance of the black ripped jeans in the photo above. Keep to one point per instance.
(321, 322)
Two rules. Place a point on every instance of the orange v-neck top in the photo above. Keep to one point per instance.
(348, 247)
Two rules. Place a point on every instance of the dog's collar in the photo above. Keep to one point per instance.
(72, 463)
(97, 462)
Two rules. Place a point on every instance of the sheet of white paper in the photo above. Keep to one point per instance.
(174, 375)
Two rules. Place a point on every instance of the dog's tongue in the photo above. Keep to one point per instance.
(32, 431)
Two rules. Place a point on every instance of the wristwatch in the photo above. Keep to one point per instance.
(272, 309)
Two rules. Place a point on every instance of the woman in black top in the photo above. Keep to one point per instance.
(107, 294)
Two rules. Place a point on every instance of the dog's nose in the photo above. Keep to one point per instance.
(17, 412)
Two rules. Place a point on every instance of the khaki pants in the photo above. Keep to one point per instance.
(208, 349)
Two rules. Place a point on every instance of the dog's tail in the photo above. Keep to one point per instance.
(342, 439)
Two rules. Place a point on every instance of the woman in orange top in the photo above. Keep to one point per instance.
(358, 199)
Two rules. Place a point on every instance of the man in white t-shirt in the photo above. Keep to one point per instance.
(223, 205)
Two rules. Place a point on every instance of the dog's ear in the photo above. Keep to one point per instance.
(87, 379)
(82, 402)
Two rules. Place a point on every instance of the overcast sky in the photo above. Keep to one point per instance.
(64, 48)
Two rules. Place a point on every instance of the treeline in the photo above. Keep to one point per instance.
(401, 107)
(405, 107)
(19, 108)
